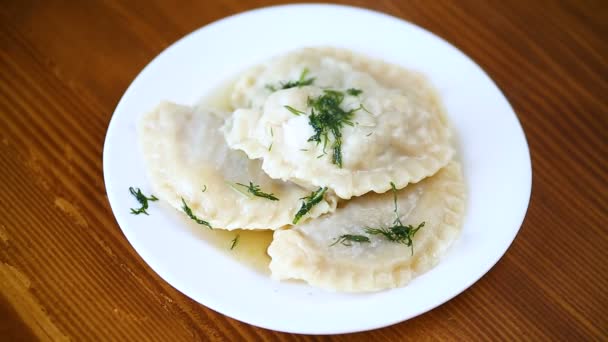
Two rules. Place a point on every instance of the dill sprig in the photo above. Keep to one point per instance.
(142, 199)
(354, 91)
(328, 118)
(272, 142)
(301, 82)
(239, 189)
(294, 111)
(398, 232)
(255, 190)
(309, 201)
(188, 212)
(348, 239)
(235, 241)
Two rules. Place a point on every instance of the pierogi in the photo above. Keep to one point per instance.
(296, 135)
(328, 117)
(313, 252)
(190, 164)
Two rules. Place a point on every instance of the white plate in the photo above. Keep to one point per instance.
(493, 150)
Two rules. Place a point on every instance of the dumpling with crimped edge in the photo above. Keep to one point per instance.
(396, 130)
(321, 67)
(186, 157)
(306, 252)
(328, 67)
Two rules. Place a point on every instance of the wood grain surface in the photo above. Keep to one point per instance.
(67, 271)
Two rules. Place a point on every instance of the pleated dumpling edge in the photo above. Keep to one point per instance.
(311, 251)
(189, 163)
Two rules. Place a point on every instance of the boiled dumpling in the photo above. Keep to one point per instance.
(189, 163)
(324, 67)
(347, 122)
(318, 253)
(311, 66)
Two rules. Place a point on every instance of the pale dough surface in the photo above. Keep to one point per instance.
(402, 137)
(304, 252)
(185, 153)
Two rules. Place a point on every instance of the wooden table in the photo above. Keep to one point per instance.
(67, 271)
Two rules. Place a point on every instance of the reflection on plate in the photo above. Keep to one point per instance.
(493, 152)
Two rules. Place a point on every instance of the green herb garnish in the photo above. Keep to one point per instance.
(354, 92)
(235, 241)
(142, 199)
(188, 212)
(398, 232)
(272, 142)
(327, 117)
(348, 239)
(256, 191)
(294, 111)
(240, 189)
(309, 201)
(302, 81)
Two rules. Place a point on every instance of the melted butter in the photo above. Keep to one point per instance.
(250, 250)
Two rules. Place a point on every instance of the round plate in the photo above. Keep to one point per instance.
(493, 150)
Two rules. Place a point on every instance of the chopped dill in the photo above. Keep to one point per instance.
(256, 191)
(398, 232)
(301, 82)
(235, 241)
(354, 91)
(395, 210)
(240, 189)
(361, 106)
(204, 188)
(142, 199)
(348, 239)
(294, 111)
(188, 212)
(309, 201)
(327, 117)
(368, 134)
(272, 142)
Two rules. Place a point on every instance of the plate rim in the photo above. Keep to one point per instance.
(367, 11)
